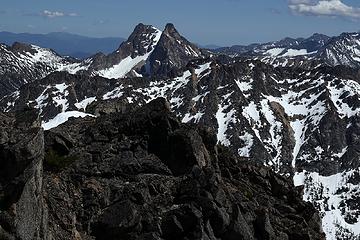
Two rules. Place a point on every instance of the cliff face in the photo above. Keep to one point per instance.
(139, 174)
(23, 213)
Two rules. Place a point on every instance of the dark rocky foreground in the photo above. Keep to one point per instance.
(139, 174)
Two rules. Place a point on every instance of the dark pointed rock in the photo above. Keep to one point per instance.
(172, 53)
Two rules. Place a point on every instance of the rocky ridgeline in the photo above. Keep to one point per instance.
(139, 174)
(261, 112)
(333, 51)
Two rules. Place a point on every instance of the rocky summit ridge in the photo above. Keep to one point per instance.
(139, 174)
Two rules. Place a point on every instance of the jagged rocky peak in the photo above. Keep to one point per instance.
(319, 37)
(23, 63)
(172, 52)
(38, 54)
(288, 42)
(141, 41)
(130, 57)
(170, 29)
(22, 47)
(140, 28)
(148, 51)
(172, 36)
(350, 35)
(342, 50)
(314, 43)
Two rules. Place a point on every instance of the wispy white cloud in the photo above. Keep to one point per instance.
(72, 15)
(55, 14)
(100, 22)
(324, 8)
(274, 11)
(49, 14)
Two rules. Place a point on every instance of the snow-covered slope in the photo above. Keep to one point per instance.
(342, 50)
(302, 123)
(131, 56)
(336, 196)
(22, 63)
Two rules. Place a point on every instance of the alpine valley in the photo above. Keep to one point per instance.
(161, 139)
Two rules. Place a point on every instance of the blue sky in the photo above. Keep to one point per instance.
(221, 22)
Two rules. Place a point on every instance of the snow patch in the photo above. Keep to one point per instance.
(115, 93)
(348, 87)
(203, 70)
(84, 103)
(326, 192)
(251, 112)
(188, 117)
(244, 86)
(248, 141)
(41, 101)
(295, 52)
(224, 119)
(62, 118)
(60, 97)
(274, 52)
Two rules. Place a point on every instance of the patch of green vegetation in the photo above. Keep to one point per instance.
(248, 194)
(223, 150)
(55, 162)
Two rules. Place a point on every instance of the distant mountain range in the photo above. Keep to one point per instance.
(66, 44)
(339, 50)
(279, 48)
(210, 46)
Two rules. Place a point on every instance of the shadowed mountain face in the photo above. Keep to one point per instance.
(66, 44)
(283, 105)
(172, 51)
